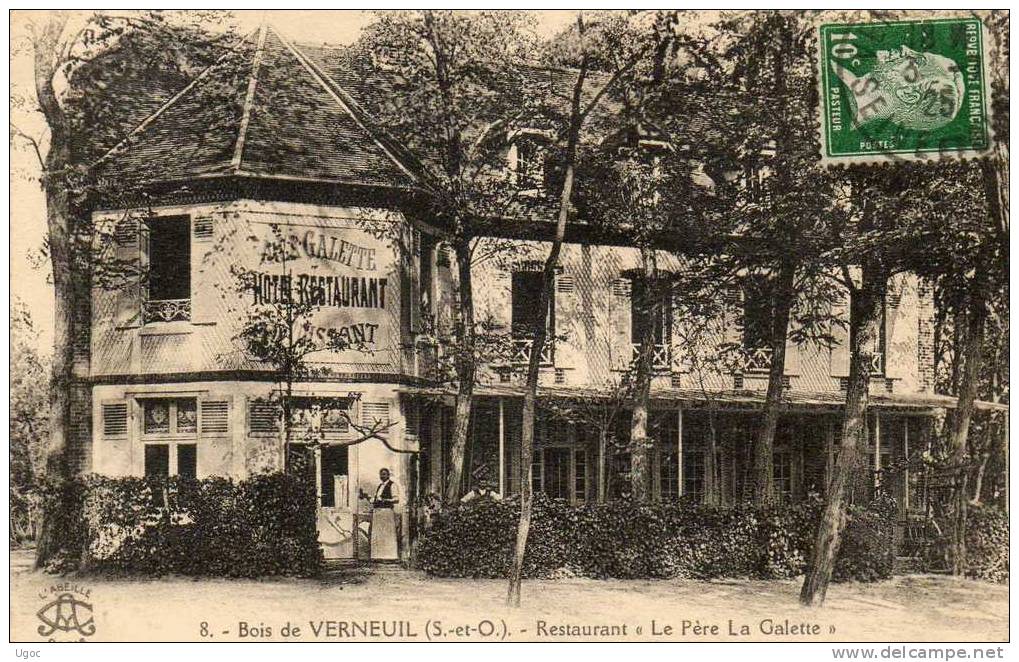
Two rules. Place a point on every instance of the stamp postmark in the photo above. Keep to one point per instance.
(914, 89)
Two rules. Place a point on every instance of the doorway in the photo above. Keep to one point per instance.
(336, 528)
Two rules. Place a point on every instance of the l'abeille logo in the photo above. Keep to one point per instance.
(67, 613)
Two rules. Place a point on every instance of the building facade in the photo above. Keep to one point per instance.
(169, 383)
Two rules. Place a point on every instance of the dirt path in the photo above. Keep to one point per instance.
(389, 603)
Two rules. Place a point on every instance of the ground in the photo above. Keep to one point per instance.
(911, 608)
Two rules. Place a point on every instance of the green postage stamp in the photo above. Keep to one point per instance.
(912, 89)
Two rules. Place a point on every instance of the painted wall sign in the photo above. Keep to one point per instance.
(347, 276)
(319, 290)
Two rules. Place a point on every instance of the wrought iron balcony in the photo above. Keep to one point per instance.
(521, 351)
(661, 358)
(758, 359)
(877, 364)
(166, 310)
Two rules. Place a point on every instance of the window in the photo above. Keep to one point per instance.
(560, 473)
(758, 311)
(525, 316)
(693, 473)
(169, 257)
(580, 476)
(187, 460)
(782, 475)
(622, 480)
(157, 460)
(668, 474)
(537, 467)
(169, 420)
(527, 286)
(651, 309)
(556, 473)
(426, 278)
(170, 416)
(531, 162)
(877, 365)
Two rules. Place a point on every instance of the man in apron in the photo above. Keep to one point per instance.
(383, 539)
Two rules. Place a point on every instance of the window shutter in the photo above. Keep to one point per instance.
(373, 413)
(129, 252)
(412, 420)
(620, 303)
(902, 331)
(415, 282)
(792, 351)
(443, 256)
(498, 299)
(680, 360)
(839, 358)
(202, 228)
(567, 324)
(734, 298)
(511, 160)
(263, 417)
(115, 419)
(214, 416)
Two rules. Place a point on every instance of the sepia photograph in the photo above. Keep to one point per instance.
(449, 325)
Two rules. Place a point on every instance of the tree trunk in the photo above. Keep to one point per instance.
(538, 342)
(783, 295)
(602, 474)
(971, 357)
(640, 444)
(866, 304)
(530, 394)
(466, 370)
(59, 226)
(712, 486)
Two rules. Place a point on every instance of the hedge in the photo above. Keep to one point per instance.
(626, 541)
(987, 544)
(265, 525)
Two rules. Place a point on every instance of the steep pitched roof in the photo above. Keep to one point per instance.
(263, 110)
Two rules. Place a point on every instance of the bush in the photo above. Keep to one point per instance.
(625, 541)
(265, 525)
(867, 552)
(987, 544)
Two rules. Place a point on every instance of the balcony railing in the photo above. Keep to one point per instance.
(166, 310)
(521, 351)
(661, 357)
(877, 364)
(758, 359)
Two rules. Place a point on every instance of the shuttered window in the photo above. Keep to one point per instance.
(203, 228)
(526, 292)
(373, 413)
(115, 419)
(263, 417)
(215, 416)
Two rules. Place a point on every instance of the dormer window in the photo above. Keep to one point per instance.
(528, 160)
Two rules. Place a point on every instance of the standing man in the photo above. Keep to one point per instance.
(384, 544)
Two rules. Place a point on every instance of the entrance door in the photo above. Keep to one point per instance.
(335, 515)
